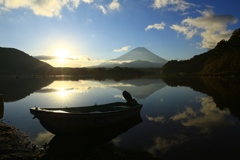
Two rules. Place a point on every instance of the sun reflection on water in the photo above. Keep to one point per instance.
(63, 92)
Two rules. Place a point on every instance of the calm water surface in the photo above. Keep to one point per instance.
(184, 118)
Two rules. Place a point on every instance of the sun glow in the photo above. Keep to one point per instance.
(62, 53)
(62, 93)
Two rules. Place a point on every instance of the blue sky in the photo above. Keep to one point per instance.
(81, 33)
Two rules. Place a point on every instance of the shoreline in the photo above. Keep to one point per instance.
(15, 145)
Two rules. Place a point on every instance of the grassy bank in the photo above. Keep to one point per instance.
(16, 145)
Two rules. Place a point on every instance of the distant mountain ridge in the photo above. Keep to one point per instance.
(14, 61)
(17, 63)
(141, 53)
(139, 57)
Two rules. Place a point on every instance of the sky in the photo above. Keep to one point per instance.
(82, 33)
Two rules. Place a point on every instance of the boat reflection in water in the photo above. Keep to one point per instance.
(87, 129)
(91, 142)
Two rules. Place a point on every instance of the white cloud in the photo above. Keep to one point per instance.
(165, 144)
(188, 31)
(175, 5)
(88, 1)
(208, 118)
(156, 119)
(211, 27)
(3, 9)
(125, 48)
(210, 39)
(189, 112)
(43, 138)
(160, 3)
(47, 57)
(114, 5)
(77, 62)
(158, 26)
(116, 141)
(44, 8)
(102, 8)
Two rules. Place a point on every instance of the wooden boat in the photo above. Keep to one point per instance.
(75, 119)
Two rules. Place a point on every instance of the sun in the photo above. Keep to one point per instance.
(62, 53)
(62, 93)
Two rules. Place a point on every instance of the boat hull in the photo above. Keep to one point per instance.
(64, 123)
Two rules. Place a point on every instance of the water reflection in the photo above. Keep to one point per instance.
(196, 128)
(15, 89)
(74, 145)
(156, 119)
(68, 86)
(186, 117)
(225, 92)
(140, 88)
(208, 118)
(43, 138)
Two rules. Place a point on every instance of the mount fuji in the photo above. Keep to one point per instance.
(139, 57)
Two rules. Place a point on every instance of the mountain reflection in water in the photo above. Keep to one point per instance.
(184, 117)
(225, 92)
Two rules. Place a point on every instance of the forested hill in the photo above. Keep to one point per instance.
(224, 59)
(13, 61)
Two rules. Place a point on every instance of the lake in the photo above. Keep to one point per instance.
(186, 118)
